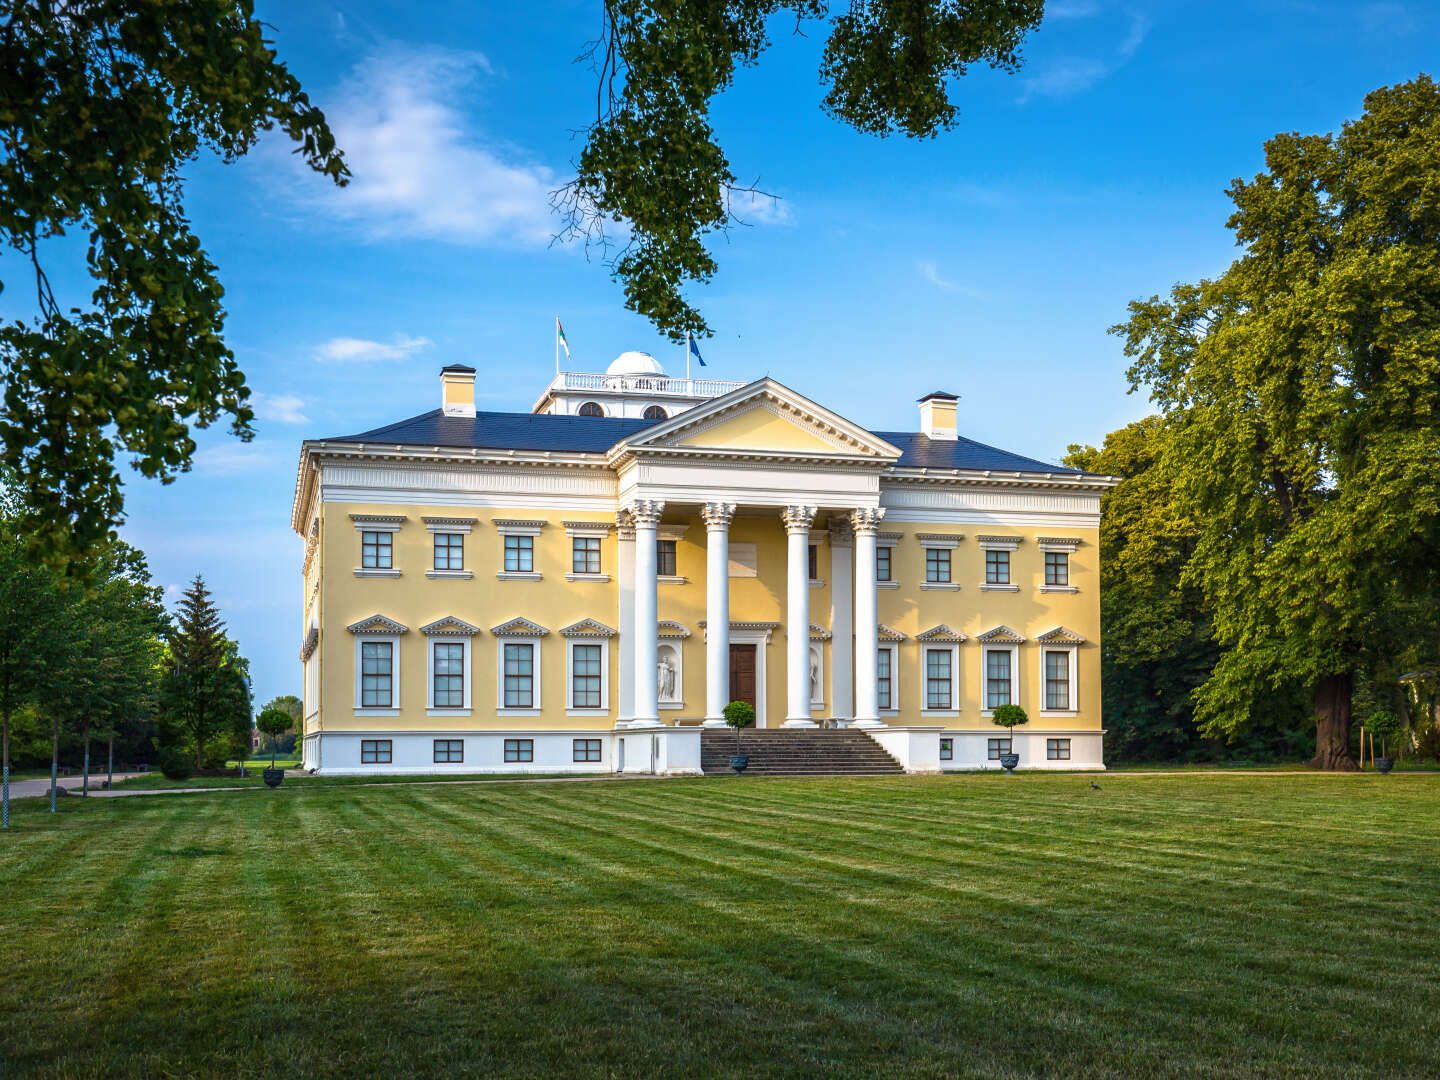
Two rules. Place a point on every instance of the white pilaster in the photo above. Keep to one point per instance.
(797, 614)
(717, 518)
(645, 515)
(625, 577)
(867, 620)
(842, 630)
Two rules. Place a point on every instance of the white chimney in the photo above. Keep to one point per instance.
(937, 415)
(457, 390)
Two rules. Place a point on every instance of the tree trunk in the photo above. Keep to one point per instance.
(6, 811)
(110, 763)
(1332, 724)
(85, 782)
(54, 759)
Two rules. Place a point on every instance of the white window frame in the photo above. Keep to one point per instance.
(431, 709)
(1015, 680)
(453, 526)
(893, 647)
(571, 709)
(1061, 546)
(534, 708)
(935, 542)
(1074, 651)
(997, 543)
(519, 528)
(377, 524)
(817, 538)
(953, 648)
(378, 710)
(575, 530)
(891, 541)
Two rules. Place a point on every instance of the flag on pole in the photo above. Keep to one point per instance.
(691, 347)
(560, 337)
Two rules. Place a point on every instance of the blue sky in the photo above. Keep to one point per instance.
(989, 261)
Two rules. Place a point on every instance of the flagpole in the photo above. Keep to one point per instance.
(687, 358)
(557, 346)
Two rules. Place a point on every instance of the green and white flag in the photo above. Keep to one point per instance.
(560, 339)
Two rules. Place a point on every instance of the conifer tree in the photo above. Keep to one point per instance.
(204, 692)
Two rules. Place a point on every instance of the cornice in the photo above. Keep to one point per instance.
(587, 628)
(669, 628)
(1060, 636)
(1001, 635)
(519, 627)
(889, 633)
(450, 625)
(378, 622)
(997, 478)
(941, 632)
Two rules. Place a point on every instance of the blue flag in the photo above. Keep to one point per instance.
(695, 349)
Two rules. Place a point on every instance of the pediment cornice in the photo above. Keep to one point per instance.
(519, 627)
(587, 628)
(941, 632)
(1060, 636)
(1001, 635)
(450, 625)
(378, 624)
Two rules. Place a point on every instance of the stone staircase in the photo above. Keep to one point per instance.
(797, 752)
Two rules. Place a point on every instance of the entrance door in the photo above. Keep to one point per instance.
(742, 675)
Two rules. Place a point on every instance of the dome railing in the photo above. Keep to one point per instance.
(649, 384)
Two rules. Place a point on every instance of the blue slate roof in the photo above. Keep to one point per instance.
(597, 434)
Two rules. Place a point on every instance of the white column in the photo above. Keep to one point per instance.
(645, 514)
(842, 629)
(717, 610)
(797, 615)
(625, 576)
(865, 523)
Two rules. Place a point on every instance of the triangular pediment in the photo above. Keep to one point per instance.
(587, 628)
(941, 632)
(519, 628)
(1000, 635)
(763, 417)
(450, 625)
(889, 633)
(378, 624)
(1061, 636)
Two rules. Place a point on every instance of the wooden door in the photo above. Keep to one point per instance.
(742, 675)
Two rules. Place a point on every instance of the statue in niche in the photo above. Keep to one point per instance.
(666, 677)
(814, 675)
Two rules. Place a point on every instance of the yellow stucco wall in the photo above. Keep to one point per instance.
(414, 600)
(760, 430)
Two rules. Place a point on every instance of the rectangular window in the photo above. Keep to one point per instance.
(519, 749)
(449, 551)
(585, 676)
(519, 676)
(449, 675)
(997, 678)
(374, 751)
(997, 747)
(937, 564)
(449, 751)
(1057, 749)
(947, 749)
(376, 674)
(519, 554)
(882, 564)
(812, 554)
(587, 750)
(1057, 680)
(883, 680)
(997, 568)
(585, 555)
(1057, 568)
(375, 550)
(665, 558)
(937, 678)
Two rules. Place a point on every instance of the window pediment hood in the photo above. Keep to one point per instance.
(1001, 635)
(587, 628)
(450, 625)
(763, 419)
(519, 627)
(941, 632)
(378, 624)
(1061, 636)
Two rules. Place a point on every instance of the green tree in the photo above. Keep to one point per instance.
(651, 161)
(102, 107)
(1301, 398)
(204, 694)
(288, 704)
(273, 723)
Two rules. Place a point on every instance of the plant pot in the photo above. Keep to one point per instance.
(1384, 764)
(1009, 761)
(273, 777)
(739, 762)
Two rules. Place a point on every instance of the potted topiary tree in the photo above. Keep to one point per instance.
(1386, 726)
(273, 723)
(1008, 716)
(739, 714)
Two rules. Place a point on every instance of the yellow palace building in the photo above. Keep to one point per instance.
(584, 587)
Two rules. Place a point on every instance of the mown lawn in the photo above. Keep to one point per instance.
(977, 925)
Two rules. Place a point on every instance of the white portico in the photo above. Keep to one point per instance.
(697, 464)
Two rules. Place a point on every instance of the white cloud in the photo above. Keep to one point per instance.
(281, 408)
(420, 166)
(1074, 75)
(348, 350)
(233, 457)
(931, 273)
(758, 208)
(1074, 9)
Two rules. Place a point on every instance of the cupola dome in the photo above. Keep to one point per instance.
(635, 363)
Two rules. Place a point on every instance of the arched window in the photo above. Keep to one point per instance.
(591, 408)
(655, 412)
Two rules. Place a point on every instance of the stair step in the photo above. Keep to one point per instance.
(799, 752)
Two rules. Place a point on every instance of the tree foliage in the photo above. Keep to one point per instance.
(101, 106)
(651, 162)
(205, 691)
(1301, 398)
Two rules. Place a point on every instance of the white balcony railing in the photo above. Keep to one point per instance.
(645, 384)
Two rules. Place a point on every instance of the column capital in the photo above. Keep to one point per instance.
(842, 533)
(717, 515)
(624, 526)
(867, 520)
(797, 518)
(645, 513)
